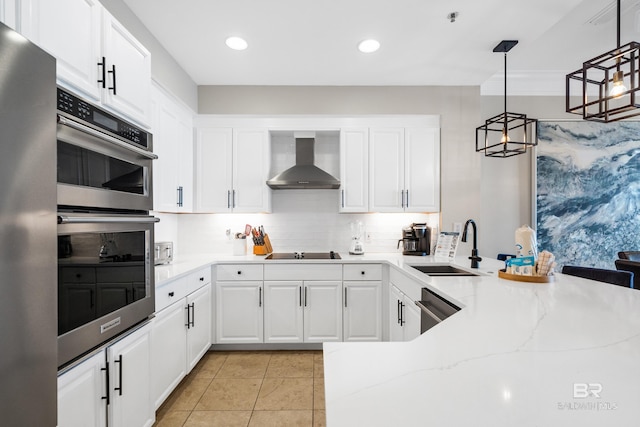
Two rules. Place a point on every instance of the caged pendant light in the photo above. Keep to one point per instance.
(612, 79)
(507, 134)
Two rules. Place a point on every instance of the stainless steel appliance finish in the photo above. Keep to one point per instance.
(304, 174)
(103, 161)
(28, 360)
(434, 309)
(163, 253)
(105, 279)
(303, 255)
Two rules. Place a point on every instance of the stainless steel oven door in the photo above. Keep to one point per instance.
(98, 170)
(105, 279)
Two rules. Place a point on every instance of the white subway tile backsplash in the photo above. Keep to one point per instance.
(301, 220)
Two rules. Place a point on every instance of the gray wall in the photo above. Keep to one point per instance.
(164, 69)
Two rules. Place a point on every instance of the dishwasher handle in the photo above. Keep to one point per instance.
(428, 312)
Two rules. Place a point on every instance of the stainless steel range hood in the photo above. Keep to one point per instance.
(305, 174)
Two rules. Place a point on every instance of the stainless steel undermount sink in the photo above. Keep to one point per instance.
(442, 270)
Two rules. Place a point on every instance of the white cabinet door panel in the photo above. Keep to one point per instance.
(199, 328)
(422, 170)
(322, 311)
(251, 160)
(169, 355)
(80, 393)
(213, 167)
(363, 311)
(239, 312)
(386, 170)
(283, 316)
(354, 170)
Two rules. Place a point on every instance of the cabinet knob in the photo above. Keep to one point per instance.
(171, 294)
(362, 272)
(202, 279)
(239, 272)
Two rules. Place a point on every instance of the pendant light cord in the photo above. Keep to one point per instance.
(618, 24)
(504, 131)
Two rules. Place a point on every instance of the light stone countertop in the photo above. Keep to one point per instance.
(565, 353)
(518, 354)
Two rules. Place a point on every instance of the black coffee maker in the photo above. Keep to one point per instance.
(416, 240)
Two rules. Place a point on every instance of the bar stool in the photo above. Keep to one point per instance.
(633, 267)
(615, 277)
(630, 255)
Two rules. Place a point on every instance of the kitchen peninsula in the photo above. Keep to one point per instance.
(526, 354)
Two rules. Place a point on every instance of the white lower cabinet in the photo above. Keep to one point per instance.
(239, 304)
(362, 302)
(181, 332)
(80, 392)
(404, 316)
(87, 397)
(302, 303)
(302, 311)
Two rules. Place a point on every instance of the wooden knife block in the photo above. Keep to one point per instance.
(263, 249)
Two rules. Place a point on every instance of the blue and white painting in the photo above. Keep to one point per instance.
(588, 191)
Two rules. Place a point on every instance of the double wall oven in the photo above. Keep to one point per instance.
(105, 232)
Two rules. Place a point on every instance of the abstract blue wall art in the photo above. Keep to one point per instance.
(588, 191)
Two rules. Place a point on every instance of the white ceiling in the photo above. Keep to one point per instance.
(311, 42)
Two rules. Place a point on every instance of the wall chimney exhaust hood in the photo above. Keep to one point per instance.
(304, 174)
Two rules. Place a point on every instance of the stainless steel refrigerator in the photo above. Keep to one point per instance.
(28, 240)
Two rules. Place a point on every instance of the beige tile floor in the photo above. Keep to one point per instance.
(249, 388)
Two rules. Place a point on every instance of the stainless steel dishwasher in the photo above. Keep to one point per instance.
(434, 309)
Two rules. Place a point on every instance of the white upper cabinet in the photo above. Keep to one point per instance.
(404, 170)
(231, 170)
(9, 13)
(386, 170)
(422, 169)
(172, 127)
(354, 170)
(128, 70)
(80, 33)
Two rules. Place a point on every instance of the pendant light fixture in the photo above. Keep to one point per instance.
(611, 79)
(507, 134)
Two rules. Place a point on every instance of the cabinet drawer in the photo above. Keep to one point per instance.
(170, 292)
(303, 271)
(198, 279)
(78, 275)
(239, 272)
(362, 272)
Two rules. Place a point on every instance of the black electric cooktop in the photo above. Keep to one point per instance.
(304, 255)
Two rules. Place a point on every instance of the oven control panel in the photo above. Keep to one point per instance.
(89, 113)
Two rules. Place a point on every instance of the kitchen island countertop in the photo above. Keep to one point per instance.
(563, 353)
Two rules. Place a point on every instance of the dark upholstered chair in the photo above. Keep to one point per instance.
(633, 267)
(630, 255)
(615, 277)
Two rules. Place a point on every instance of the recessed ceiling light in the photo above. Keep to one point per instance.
(236, 43)
(369, 46)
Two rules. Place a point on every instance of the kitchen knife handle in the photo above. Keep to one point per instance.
(119, 361)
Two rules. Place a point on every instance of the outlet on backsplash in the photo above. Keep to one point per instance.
(367, 237)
